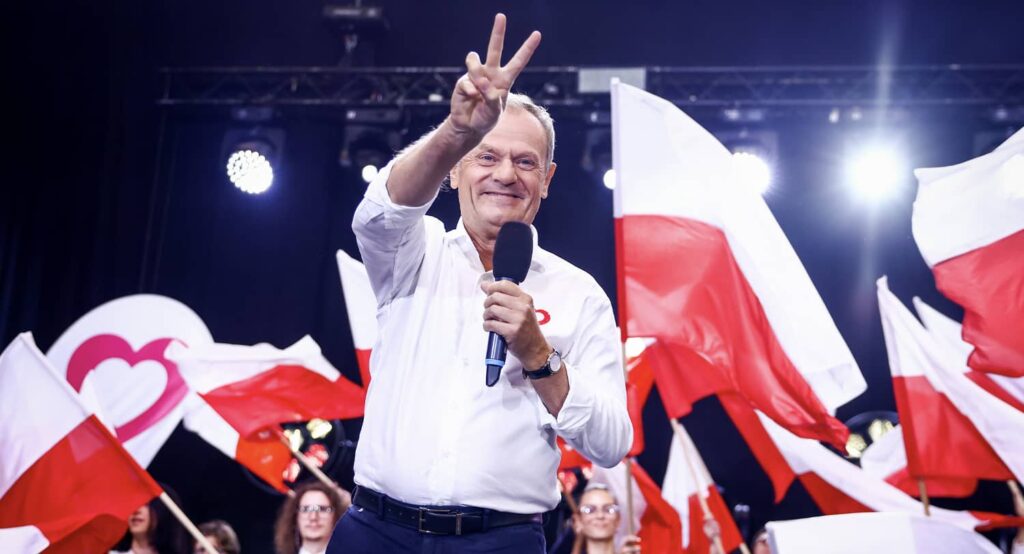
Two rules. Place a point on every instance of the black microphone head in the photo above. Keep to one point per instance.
(513, 251)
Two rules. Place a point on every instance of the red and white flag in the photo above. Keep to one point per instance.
(263, 453)
(655, 521)
(739, 312)
(66, 483)
(886, 459)
(969, 225)
(255, 388)
(953, 427)
(839, 487)
(875, 532)
(361, 305)
(687, 481)
(947, 331)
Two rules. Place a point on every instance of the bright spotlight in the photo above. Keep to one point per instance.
(609, 179)
(370, 172)
(752, 171)
(877, 173)
(250, 171)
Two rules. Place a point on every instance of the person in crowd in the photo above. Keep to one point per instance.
(760, 543)
(441, 452)
(307, 518)
(152, 529)
(221, 536)
(597, 521)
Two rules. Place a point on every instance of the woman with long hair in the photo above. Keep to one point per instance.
(152, 529)
(307, 519)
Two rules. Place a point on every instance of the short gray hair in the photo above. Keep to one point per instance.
(523, 102)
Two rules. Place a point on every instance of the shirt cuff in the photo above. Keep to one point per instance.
(576, 410)
(396, 216)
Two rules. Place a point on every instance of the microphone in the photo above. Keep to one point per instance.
(512, 253)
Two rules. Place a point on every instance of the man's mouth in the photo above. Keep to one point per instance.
(502, 194)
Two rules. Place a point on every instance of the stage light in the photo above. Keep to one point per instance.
(250, 154)
(609, 179)
(370, 172)
(877, 172)
(752, 170)
(597, 156)
(250, 171)
(371, 139)
(868, 428)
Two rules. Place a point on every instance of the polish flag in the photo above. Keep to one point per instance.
(639, 382)
(953, 427)
(740, 313)
(947, 331)
(886, 459)
(262, 453)
(255, 388)
(686, 477)
(361, 305)
(840, 487)
(875, 532)
(655, 521)
(66, 483)
(969, 225)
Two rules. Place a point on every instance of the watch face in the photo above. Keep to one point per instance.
(555, 361)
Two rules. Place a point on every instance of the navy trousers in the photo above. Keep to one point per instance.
(363, 532)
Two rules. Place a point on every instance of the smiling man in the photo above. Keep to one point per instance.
(445, 462)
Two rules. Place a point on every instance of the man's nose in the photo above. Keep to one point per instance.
(505, 172)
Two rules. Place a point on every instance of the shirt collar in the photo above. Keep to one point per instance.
(460, 237)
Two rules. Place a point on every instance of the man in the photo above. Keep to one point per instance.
(445, 462)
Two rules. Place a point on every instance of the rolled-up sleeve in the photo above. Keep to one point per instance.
(391, 238)
(593, 418)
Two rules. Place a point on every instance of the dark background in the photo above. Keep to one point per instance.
(86, 216)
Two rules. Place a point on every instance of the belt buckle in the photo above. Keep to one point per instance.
(423, 511)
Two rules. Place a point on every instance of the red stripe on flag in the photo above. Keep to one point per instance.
(80, 493)
(761, 444)
(705, 304)
(285, 393)
(829, 499)
(660, 528)
(986, 382)
(639, 380)
(935, 486)
(940, 441)
(989, 283)
(266, 456)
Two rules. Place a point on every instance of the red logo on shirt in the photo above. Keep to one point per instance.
(543, 317)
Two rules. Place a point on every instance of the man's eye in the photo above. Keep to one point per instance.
(527, 163)
(488, 158)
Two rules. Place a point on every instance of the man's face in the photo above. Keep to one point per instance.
(315, 517)
(504, 178)
(603, 518)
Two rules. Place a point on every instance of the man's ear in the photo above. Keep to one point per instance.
(547, 180)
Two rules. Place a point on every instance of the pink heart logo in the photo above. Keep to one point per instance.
(105, 347)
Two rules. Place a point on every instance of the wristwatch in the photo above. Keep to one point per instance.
(551, 367)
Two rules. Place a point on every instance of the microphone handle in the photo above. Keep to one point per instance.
(497, 351)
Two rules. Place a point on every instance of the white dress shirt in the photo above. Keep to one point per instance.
(433, 433)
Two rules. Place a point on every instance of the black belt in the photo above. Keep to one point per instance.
(436, 520)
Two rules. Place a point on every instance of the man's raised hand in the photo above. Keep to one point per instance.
(479, 95)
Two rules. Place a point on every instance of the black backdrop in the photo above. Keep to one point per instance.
(87, 217)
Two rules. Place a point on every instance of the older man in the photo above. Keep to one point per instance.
(444, 462)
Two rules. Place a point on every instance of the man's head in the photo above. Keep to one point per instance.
(508, 174)
(599, 514)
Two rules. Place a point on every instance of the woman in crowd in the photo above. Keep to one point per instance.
(152, 529)
(306, 520)
(221, 536)
(597, 521)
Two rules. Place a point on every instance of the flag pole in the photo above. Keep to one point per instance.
(711, 527)
(311, 467)
(923, 491)
(186, 522)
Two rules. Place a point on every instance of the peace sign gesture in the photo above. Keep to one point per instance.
(479, 95)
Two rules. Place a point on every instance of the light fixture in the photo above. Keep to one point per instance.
(876, 171)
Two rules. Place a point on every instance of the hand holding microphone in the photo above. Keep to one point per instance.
(509, 314)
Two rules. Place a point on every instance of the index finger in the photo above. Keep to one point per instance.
(497, 42)
(523, 55)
